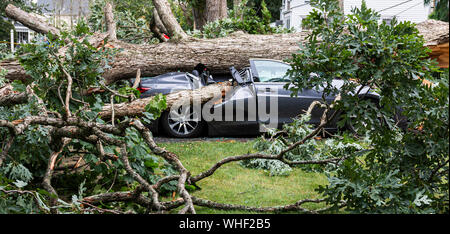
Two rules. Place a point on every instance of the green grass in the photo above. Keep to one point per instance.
(234, 184)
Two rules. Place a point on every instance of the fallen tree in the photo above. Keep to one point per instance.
(183, 54)
(175, 55)
(65, 122)
(127, 144)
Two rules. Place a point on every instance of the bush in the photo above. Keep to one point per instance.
(402, 171)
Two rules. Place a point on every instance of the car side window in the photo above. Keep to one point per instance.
(271, 71)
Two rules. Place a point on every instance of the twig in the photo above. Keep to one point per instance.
(112, 110)
(68, 91)
(36, 200)
(46, 182)
(101, 210)
(292, 207)
(436, 170)
(138, 79)
(114, 180)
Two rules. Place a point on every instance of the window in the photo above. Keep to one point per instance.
(271, 71)
(288, 5)
(22, 37)
(288, 23)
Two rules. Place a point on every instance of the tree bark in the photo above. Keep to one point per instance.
(29, 20)
(157, 26)
(137, 107)
(217, 54)
(199, 17)
(10, 98)
(168, 19)
(215, 9)
(223, 9)
(110, 23)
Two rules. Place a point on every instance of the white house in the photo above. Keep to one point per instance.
(59, 13)
(293, 11)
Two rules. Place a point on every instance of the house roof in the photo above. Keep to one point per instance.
(435, 32)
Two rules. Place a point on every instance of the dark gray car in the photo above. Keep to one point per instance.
(259, 100)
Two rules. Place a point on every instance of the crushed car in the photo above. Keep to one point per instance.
(258, 101)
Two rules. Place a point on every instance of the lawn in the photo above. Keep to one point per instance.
(235, 184)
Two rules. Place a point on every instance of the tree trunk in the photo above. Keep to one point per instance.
(223, 9)
(217, 54)
(215, 9)
(199, 17)
(168, 19)
(110, 23)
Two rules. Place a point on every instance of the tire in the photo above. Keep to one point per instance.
(182, 125)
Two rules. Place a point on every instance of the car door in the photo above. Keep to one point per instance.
(276, 106)
(234, 114)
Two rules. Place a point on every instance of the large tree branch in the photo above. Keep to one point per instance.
(10, 98)
(157, 26)
(137, 107)
(29, 20)
(110, 23)
(78, 128)
(46, 182)
(168, 19)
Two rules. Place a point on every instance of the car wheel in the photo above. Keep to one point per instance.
(182, 123)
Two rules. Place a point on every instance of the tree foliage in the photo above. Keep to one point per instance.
(390, 170)
(27, 159)
(440, 11)
(312, 150)
(133, 20)
(403, 171)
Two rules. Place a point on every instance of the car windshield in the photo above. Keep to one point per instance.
(271, 71)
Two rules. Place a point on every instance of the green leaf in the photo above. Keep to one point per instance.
(20, 184)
